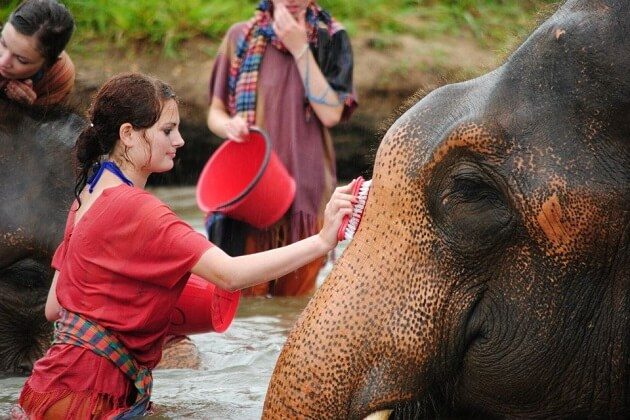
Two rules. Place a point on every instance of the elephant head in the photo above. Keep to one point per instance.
(490, 275)
(36, 183)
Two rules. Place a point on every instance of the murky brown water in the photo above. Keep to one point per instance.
(237, 364)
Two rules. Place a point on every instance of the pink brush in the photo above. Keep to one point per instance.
(350, 224)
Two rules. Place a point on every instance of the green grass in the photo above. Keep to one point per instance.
(166, 23)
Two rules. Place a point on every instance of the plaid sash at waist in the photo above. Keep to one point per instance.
(78, 331)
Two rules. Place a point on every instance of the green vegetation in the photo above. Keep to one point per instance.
(167, 23)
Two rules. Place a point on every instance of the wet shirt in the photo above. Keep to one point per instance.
(123, 266)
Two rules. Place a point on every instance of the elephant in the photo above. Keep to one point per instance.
(36, 189)
(490, 273)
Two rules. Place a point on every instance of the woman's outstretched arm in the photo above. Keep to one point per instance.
(233, 273)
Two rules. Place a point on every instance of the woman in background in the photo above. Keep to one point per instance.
(287, 70)
(34, 68)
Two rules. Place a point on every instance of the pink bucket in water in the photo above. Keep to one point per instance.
(203, 307)
(246, 181)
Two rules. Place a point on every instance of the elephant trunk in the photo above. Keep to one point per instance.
(347, 356)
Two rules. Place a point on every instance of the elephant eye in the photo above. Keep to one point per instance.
(470, 188)
(470, 208)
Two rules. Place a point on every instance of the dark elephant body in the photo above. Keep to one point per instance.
(36, 187)
(490, 275)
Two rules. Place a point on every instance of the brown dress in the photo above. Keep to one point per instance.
(52, 85)
(301, 142)
(56, 83)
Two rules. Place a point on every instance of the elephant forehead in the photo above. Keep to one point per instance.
(474, 137)
(389, 260)
(416, 152)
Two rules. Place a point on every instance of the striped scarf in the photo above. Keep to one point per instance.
(73, 329)
(250, 47)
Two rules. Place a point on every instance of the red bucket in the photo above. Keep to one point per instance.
(246, 181)
(203, 307)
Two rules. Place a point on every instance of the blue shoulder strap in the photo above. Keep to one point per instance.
(113, 168)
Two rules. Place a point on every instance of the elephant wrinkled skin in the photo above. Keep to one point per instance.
(490, 274)
(36, 186)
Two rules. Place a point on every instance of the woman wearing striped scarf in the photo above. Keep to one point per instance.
(287, 70)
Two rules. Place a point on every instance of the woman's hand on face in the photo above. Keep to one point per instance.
(21, 91)
(340, 204)
(236, 129)
(290, 31)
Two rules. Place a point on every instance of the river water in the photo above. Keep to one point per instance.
(236, 365)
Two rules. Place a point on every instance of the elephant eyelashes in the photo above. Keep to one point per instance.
(470, 208)
(467, 188)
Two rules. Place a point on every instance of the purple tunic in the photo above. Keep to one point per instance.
(302, 143)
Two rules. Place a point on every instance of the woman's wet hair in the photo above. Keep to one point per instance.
(48, 21)
(132, 98)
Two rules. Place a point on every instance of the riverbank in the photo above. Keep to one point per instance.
(385, 77)
(401, 48)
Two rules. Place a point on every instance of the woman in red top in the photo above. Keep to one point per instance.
(34, 69)
(126, 257)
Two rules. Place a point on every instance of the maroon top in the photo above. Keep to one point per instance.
(303, 144)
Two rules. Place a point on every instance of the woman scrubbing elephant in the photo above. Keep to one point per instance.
(126, 257)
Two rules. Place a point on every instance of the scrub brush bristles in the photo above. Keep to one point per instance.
(350, 224)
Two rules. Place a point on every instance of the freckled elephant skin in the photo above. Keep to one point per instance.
(36, 183)
(490, 275)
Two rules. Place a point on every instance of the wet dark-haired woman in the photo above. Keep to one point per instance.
(34, 68)
(126, 257)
